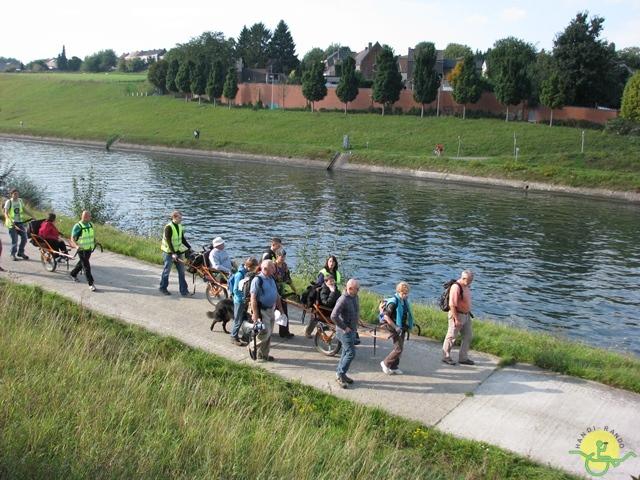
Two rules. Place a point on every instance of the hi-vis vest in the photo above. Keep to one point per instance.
(11, 212)
(336, 276)
(86, 240)
(176, 238)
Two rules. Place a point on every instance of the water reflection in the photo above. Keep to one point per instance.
(542, 261)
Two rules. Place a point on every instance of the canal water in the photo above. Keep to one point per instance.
(543, 261)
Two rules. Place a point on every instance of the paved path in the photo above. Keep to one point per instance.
(533, 412)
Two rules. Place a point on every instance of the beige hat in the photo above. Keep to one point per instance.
(217, 241)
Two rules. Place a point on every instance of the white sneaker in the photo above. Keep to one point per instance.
(92, 288)
(386, 369)
(397, 371)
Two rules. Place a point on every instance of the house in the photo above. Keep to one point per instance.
(366, 60)
(147, 56)
(333, 65)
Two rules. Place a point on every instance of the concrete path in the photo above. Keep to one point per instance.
(530, 411)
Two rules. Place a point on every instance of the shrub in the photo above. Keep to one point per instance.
(89, 194)
(620, 126)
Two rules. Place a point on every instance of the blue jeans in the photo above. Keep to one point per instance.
(348, 351)
(238, 314)
(14, 233)
(168, 262)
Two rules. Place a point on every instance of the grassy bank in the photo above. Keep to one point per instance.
(85, 396)
(511, 344)
(97, 107)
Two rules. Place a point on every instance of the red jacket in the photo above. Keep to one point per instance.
(48, 230)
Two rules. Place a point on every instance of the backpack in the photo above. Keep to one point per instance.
(245, 286)
(310, 295)
(232, 283)
(383, 303)
(194, 259)
(443, 302)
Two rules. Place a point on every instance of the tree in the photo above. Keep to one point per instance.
(172, 70)
(347, 89)
(388, 82)
(283, 50)
(630, 109)
(215, 84)
(314, 87)
(209, 46)
(590, 65)
(630, 56)
(198, 77)
(256, 51)
(554, 93)
(74, 64)
(509, 69)
(157, 75)
(457, 50)
(465, 82)
(230, 89)
(183, 78)
(312, 56)
(426, 80)
(62, 62)
(103, 61)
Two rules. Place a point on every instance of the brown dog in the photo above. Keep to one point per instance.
(222, 313)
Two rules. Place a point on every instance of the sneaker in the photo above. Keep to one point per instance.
(22, 255)
(448, 361)
(466, 362)
(386, 369)
(348, 380)
(73, 278)
(13, 257)
(164, 291)
(341, 382)
(397, 371)
(357, 341)
(238, 342)
(92, 288)
(268, 358)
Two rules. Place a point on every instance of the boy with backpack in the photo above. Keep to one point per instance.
(237, 282)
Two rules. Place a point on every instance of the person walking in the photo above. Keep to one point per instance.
(15, 214)
(264, 301)
(239, 310)
(83, 238)
(286, 287)
(459, 320)
(270, 253)
(397, 317)
(345, 315)
(172, 239)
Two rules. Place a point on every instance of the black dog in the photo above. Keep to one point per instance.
(223, 313)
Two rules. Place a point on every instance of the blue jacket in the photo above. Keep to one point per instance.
(234, 284)
(400, 310)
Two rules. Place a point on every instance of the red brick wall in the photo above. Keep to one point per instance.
(293, 98)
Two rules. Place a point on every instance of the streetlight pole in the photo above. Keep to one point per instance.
(438, 104)
(272, 77)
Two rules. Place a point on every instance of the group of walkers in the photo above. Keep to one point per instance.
(270, 282)
(16, 216)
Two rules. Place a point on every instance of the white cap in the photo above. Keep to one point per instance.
(217, 241)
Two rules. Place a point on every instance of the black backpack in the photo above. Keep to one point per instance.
(310, 295)
(245, 286)
(194, 259)
(443, 302)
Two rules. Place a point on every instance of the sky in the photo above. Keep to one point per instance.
(32, 31)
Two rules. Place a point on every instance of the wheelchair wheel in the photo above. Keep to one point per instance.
(327, 341)
(48, 261)
(215, 292)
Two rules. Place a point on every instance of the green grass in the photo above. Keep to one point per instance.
(511, 344)
(86, 396)
(97, 107)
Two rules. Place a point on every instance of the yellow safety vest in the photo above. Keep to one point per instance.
(176, 238)
(336, 276)
(87, 239)
(11, 214)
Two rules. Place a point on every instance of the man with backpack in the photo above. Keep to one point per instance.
(264, 301)
(397, 316)
(459, 320)
(237, 283)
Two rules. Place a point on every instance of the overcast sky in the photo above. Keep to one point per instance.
(36, 30)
